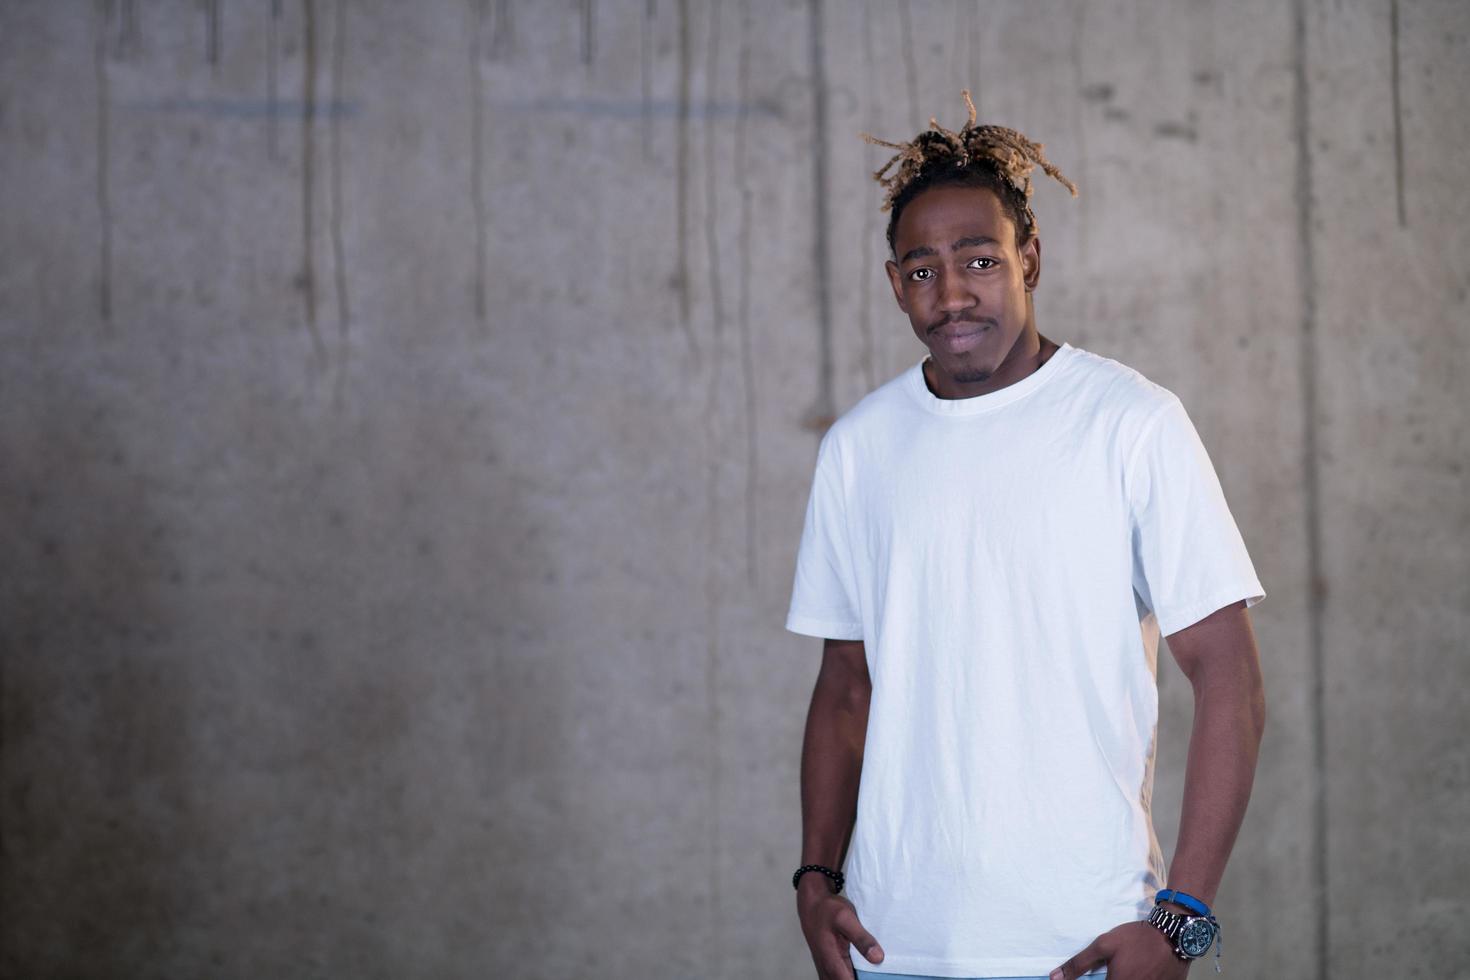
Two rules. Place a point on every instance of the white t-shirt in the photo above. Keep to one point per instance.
(1010, 561)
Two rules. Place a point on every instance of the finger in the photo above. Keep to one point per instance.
(848, 926)
(1087, 959)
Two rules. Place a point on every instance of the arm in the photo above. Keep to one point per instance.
(831, 765)
(1218, 655)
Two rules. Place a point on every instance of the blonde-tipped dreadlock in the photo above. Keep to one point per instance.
(938, 151)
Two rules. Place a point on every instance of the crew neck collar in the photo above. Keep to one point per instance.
(991, 400)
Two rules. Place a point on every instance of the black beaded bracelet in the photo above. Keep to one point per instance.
(835, 876)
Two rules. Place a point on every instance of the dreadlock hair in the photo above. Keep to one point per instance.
(992, 157)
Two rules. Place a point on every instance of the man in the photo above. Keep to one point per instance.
(994, 543)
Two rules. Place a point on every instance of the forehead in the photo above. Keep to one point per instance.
(942, 215)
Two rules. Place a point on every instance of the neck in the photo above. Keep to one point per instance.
(1029, 353)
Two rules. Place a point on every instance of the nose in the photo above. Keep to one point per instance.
(953, 296)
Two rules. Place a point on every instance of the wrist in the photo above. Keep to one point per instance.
(816, 884)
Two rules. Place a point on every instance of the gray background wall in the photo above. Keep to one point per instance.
(408, 412)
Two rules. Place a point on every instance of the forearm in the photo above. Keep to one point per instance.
(831, 765)
(1224, 745)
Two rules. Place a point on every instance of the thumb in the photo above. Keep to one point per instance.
(1079, 964)
(853, 931)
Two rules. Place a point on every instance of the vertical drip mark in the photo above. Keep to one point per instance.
(951, 58)
(127, 29)
(870, 229)
(272, 96)
(503, 39)
(1307, 359)
(104, 193)
(972, 69)
(589, 31)
(822, 411)
(681, 206)
(1398, 116)
(714, 455)
(477, 158)
(307, 277)
(910, 70)
(645, 55)
(1079, 31)
(711, 175)
(339, 250)
(212, 28)
(747, 357)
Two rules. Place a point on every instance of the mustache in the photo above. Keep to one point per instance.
(976, 321)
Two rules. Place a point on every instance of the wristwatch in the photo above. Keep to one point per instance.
(1192, 935)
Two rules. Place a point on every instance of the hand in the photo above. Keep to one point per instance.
(1132, 951)
(830, 923)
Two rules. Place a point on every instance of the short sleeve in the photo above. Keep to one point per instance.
(1188, 555)
(824, 600)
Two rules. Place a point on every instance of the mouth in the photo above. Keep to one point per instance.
(958, 336)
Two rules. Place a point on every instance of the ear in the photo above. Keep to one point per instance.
(895, 279)
(1031, 263)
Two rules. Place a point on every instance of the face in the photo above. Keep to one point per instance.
(966, 288)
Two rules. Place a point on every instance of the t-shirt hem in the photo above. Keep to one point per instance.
(1178, 619)
(1030, 966)
(830, 629)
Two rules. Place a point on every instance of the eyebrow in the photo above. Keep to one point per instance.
(923, 251)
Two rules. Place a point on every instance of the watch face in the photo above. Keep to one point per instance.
(1196, 938)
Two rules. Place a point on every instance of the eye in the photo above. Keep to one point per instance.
(974, 263)
(921, 275)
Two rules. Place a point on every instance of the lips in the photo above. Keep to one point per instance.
(958, 336)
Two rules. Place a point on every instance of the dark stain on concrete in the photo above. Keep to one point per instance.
(306, 279)
(870, 213)
(103, 186)
(1398, 114)
(645, 76)
(1307, 359)
(129, 38)
(477, 159)
(339, 249)
(820, 415)
(212, 29)
(711, 179)
(1098, 92)
(502, 40)
(1171, 130)
(616, 108)
(589, 31)
(1113, 113)
(910, 69)
(272, 88)
(681, 188)
(747, 356)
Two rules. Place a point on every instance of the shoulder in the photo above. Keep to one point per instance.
(1114, 391)
(883, 410)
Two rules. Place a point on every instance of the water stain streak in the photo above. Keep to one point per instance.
(339, 250)
(747, 355)
(103, 190)
(1398, 115)
(307, 277)
(272, 92)
(477, 157)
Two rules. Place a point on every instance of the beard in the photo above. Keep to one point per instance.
(971, 375)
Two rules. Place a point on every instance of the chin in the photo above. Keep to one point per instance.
(964, 371)
(971, 376)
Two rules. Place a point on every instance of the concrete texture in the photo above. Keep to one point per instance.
(409, 412)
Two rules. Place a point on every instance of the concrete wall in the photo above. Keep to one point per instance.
(408, 411)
